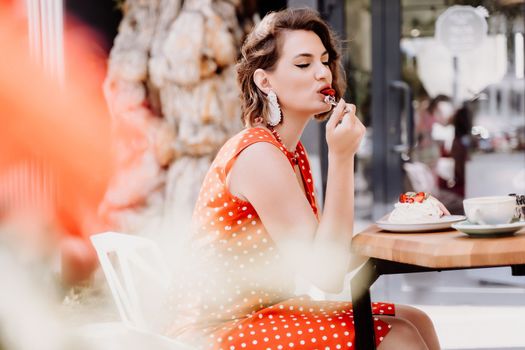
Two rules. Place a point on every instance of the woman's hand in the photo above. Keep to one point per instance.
(344, 131)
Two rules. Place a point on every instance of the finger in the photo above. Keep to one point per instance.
(337, 114)
(359, 125)
(351, 111)
(350, 108)
(347, 118)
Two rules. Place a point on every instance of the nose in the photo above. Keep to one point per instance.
(323, 72)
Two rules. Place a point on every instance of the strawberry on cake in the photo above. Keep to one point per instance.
(415, 208)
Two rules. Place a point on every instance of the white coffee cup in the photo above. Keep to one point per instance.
(491, 210)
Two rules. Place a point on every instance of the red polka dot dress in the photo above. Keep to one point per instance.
(238, 293)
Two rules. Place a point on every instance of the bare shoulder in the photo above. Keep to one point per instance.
(261, 157)
(259, 164)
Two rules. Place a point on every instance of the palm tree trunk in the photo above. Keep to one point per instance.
(174, 100)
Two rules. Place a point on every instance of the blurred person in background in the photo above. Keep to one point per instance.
(452, 189)
(434, 112)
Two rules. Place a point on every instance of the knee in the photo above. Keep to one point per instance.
(415, 316)
(403, 335)
(405, 329)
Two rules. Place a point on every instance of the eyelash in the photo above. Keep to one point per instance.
(302, 66)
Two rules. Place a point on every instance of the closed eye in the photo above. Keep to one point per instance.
(304, 65)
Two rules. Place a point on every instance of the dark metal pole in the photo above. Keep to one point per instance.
(362, 306)
(386, 102)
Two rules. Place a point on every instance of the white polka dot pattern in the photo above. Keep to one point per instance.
(233, 288)
(299, 322)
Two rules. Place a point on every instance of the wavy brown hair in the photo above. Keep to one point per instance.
(262, 48)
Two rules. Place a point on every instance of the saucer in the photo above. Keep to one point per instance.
(440, 224)
(476, 230)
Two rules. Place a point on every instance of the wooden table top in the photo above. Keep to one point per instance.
(441, 249)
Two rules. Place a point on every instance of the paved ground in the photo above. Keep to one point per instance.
(478, 327)
(467, 313)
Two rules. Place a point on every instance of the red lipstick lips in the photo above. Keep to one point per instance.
(328, 92)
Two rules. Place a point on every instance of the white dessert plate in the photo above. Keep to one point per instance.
(440, 224)
(476, 230)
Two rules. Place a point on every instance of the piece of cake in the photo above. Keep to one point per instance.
(415, 208)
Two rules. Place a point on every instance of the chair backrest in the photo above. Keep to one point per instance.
(137, 276)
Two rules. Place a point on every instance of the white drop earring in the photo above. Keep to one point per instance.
(274, 116)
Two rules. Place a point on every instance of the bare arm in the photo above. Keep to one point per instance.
(319, 250)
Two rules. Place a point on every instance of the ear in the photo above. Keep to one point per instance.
(261, 79)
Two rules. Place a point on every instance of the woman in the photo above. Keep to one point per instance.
(257, 220)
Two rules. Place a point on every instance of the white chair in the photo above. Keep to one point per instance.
(138, 278)
(136, 274)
